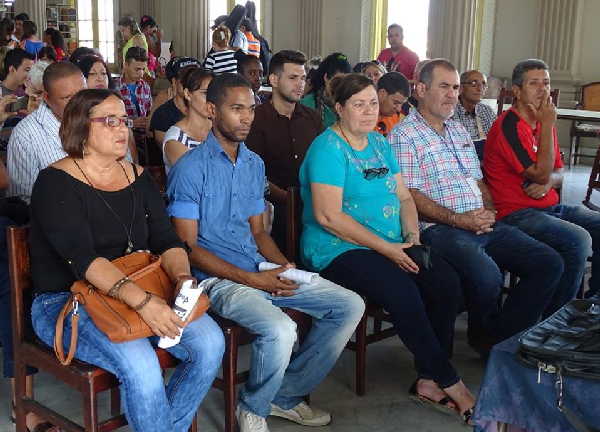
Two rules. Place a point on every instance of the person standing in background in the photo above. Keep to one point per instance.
(398, 58)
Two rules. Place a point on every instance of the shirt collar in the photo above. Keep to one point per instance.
(46, 117)
(215, 149)
(421, 119)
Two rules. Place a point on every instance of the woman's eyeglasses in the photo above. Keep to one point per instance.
(113, 122)
(371, 173)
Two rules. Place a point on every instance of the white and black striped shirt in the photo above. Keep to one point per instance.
(33, 145)
(221, 62)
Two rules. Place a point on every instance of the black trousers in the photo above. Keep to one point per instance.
(423, 307)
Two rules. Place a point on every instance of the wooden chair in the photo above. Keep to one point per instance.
(363, 338)
(593, 183)
(506, 97)
(87, 379)
(590, 101)
(237, 336)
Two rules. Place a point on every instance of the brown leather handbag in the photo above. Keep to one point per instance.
(116, 319)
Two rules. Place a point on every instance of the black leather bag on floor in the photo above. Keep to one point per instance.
(566, 344)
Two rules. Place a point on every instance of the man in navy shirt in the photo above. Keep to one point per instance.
(216, 201)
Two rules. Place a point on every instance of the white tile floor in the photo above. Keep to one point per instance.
(385, 408)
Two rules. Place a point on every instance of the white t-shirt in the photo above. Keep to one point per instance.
(174, 133)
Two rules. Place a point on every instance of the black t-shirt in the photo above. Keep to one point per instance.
(165, 116)
(71, 226)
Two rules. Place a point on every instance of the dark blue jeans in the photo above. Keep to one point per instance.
(423, 306)
(479, 258)
(574, 232)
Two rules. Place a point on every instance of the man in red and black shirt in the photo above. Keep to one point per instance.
(523, 168)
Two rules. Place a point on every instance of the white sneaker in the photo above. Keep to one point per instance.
(250, 422)
(303, 414)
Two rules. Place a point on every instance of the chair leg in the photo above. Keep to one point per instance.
(361, 355)
(377, 325)
(115, 401)
(229, 379)
(20, 393)
(576, 155)
(572, 150)
(90, 410)
(194, 425)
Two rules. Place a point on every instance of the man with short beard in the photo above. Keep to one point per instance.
(216, 201)
(283, 129)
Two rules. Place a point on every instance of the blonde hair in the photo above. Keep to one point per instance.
(221, 36)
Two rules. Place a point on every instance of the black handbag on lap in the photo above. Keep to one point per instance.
(566, 344)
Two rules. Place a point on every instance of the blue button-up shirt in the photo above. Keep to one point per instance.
(206, 186)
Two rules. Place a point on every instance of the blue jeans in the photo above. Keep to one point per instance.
(147, 404)
(277, 375)
(478, 260)
(574, 232)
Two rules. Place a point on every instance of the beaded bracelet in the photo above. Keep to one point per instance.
(143, 302)
(114, 291)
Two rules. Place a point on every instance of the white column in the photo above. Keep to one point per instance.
(36, 9)
(366, 9)
(451, 31)
(310, 20)
(559, 36)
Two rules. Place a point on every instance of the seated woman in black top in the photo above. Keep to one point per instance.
(88, 209)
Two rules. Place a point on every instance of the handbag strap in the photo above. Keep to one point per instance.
(576, 421)
(71, 305)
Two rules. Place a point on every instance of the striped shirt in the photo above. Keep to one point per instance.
(34, 144)
(442, 167)
(221, 62)
(175, 133)
(477, 123)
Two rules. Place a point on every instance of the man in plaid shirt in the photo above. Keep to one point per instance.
(440, 167)
(134, 90)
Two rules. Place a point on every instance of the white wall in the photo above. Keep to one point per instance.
(341, 28)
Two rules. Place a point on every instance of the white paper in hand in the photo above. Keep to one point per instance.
(297, 276)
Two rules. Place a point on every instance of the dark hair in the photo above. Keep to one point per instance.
(234, 19)
(251, 16)
(192, 78)
(217, 89)
(55, 37)
(136, 53)
(7, 27)
(82, 52)
(75, 125)
(86, 63)
(395, 25)
(394, 82)
(129, 22)
(22, 17)
(332, 64)
(360, 67)
(344, 87)
(245, 60)
(147, 21)
(285, 56)
(15, 58)
(59, 70)
(426, 73)
(47, 52)
(29, 29)
(525, 66)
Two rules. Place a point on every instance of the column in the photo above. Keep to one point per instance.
(559, 36)
(36, 9)
(310, 20)
(185, 23)
(452, 31)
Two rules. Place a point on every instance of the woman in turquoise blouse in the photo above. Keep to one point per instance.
(361, 231)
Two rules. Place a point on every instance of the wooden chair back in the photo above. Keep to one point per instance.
(593, 183)
(506, 97)
(590, 96)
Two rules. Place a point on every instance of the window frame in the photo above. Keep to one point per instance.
(96, 30)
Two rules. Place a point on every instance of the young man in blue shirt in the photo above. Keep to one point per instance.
(216, 201)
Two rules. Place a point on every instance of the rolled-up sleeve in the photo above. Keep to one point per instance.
(184, 192)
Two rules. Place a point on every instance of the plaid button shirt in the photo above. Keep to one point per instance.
(144, 98)
(484, 113)
(437, 166)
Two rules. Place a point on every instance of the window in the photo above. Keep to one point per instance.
(413, 16)
(95, 24)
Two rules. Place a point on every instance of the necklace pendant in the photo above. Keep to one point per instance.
(129, 248)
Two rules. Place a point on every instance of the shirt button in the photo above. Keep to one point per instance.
(295, 156)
